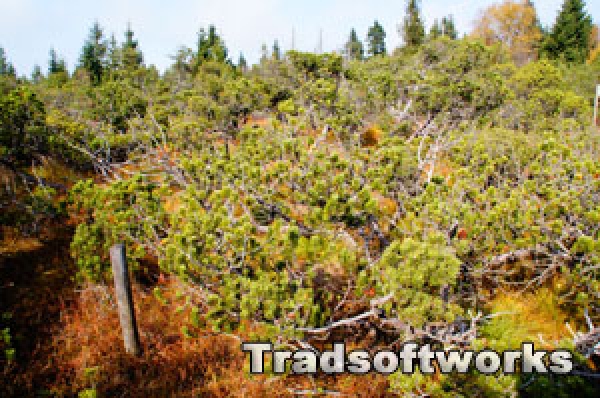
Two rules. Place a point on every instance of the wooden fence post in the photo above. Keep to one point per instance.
(125, 299)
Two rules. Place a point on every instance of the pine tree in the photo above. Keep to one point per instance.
(448, 28)
(36, 74)
(93, 54)
(264, 51)
(6, 68)
(242, 63)
(132, 56)
(376, 39)
(436, 30)
(276, 51)
(354, 47)
(56, 64)
(113, 54)
(570, 35)
(210, 47)
(412, 30)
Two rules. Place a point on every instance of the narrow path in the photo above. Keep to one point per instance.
(35, 285)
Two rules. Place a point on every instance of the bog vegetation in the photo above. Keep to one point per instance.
(447, 192)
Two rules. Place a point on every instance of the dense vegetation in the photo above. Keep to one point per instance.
(451, 181)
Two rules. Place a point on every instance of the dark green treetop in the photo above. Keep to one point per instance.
(412, 29)
(376, 39)
(354, 48)
(570, 35)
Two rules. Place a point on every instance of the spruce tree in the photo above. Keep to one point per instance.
(113, 55)
(354, 47)
(412, 30)
(570, 35)
(448, 28)
(36, 74)
(56, 64)
(132, 56)
(276, 51)
(376, 39)
(93, 54)
(210, 47)
(242, 63)
(436, 30)
(6, 68)
(264, 53)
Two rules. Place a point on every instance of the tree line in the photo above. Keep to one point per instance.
(514, 24)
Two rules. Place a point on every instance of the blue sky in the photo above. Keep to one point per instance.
(29, 28)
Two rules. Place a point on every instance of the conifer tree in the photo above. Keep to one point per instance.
(6, 68)
(570, 35)
(93, 54)
(276, 51)
(376, 39)
(210, 46)
(242, 63)
(436, 30)
(132, 56)
(264, 51)
(36, 74)
(412, 30)
(354, 47)
(113, 54)
(448, 28)
(56, 64)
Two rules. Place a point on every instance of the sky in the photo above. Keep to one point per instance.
(29, 28)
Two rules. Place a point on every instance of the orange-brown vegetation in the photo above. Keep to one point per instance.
(371, 136)
(77, 344)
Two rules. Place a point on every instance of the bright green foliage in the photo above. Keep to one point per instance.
(268, 297)
(376, 40)
(414, 272)
(128, 211)
(22, 125)
(461, 81)
(542, 100)
(412, 30)
(116, 102)
(296, 192)
(570, 35)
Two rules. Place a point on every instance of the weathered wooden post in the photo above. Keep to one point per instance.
(125, 299)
